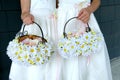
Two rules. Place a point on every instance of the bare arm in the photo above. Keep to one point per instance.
(25, 9)
(94, 5)
(84, 14)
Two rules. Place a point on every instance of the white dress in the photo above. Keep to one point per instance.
(42, 11)
(97, 66)
(58, 68)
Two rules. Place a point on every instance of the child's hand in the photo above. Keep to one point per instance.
(27, 18)
(84, 15)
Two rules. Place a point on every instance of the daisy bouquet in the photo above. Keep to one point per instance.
(75, 44)
(30, 49)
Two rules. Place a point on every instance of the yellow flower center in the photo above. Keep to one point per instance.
(37, 59)
(46, 51)
(26, 56)
(30, 61)
(19, 58)
(77, 42)
(82, 46)
(72, 47)
(32, 50)
(20, 48)
(38, 49)
(90, 44)
(16, 53)
(93, 32)
(65, 50)
(86, 37)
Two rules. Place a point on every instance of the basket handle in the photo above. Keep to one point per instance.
(37, 25)
(26, 32)
(88, 29)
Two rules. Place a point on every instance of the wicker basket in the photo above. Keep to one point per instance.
(83, 44)
(22, 52)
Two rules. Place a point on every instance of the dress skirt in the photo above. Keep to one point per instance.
(44, 17)
(94, 67)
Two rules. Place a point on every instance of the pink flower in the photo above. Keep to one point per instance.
(31, 42)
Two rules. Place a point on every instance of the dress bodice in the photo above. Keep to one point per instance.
(38, 4)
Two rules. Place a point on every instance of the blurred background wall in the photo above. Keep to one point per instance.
(108, 17)
(10, 24)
